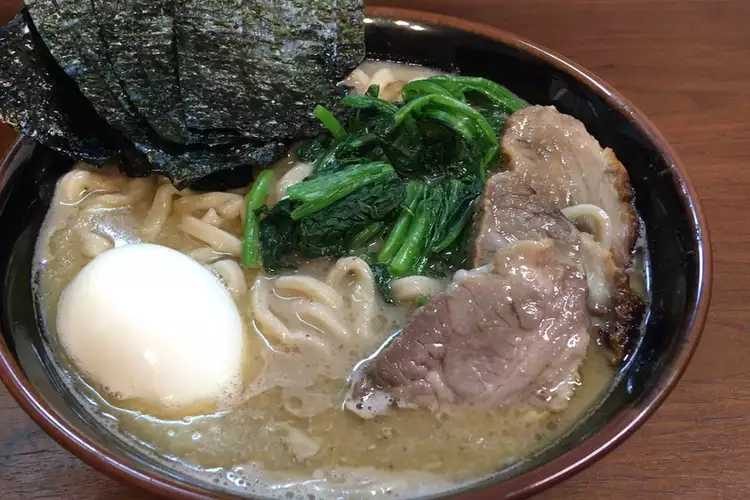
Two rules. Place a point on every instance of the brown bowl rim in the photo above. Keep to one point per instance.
(522, 486)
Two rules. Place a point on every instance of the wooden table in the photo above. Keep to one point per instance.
(686, 64)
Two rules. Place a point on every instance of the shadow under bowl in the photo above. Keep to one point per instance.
(675, 231)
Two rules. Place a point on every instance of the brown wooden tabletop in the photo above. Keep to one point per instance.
(686, 64)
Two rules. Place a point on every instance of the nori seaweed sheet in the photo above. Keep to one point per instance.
(262, 66)
(138, 37)
(227, 167)
(85, 59)
(40, 101)
(70, 31)
(75, 32)
(124, 57)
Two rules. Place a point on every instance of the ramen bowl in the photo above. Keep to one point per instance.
(676, 239)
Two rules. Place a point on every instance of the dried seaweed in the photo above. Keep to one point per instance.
(70, 31)
(261, 67)
(234, 162)
(138, 37)
(39, 100)
(125, 57)
(42, 102)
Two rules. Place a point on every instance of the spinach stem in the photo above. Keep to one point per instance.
(250, 256)
(455, 229)
(415, 248)
(367, 234)
(316, 194)
(414, 192)
(496, 93)
(329, 121)
(415, 88)
(367, 102)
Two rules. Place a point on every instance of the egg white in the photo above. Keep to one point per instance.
(146, 322)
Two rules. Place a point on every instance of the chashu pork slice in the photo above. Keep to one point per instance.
(510, 210)
(517, 333)
(556, 156)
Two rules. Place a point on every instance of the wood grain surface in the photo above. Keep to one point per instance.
(686, 64)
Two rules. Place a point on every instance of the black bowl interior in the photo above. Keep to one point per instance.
(670, 225)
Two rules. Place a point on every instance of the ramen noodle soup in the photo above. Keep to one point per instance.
(295, 382)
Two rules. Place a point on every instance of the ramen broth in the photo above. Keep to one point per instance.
(283, 430)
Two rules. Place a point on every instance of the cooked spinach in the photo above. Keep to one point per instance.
(250, 256)
(414, 192)
(417, 240)
(382, 279)
(328, 232)
(316, 194)
(363, 238)
(278, 235)
(402, 176)
(314, 148)
(334, 230)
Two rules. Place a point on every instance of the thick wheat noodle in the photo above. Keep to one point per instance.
(106, 201)
(240, 191)
(467, 274)
(321, 317)
(295, 175)
(269, 325)
(310, 287)
(265, 320)
(382, 77)
(140, 187)
(216, 238)
(233, 209)
(359, 80)
(232, 275)
(390, 89)
(385, 78)
(602, 222)
(77, 183)
(93, 244)
(598, 263)
(363, 296)
(206, 255)
(201, 202)
(131, 192)
(72, 188)
(411, 288)
(212, 217)
(159, 212)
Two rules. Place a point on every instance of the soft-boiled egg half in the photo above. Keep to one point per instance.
(147, 322)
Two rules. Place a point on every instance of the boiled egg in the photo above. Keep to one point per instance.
(149, 323)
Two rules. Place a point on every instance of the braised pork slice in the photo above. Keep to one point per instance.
(555, 155)
(510, 210)
(615, 307)
(515, 333)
